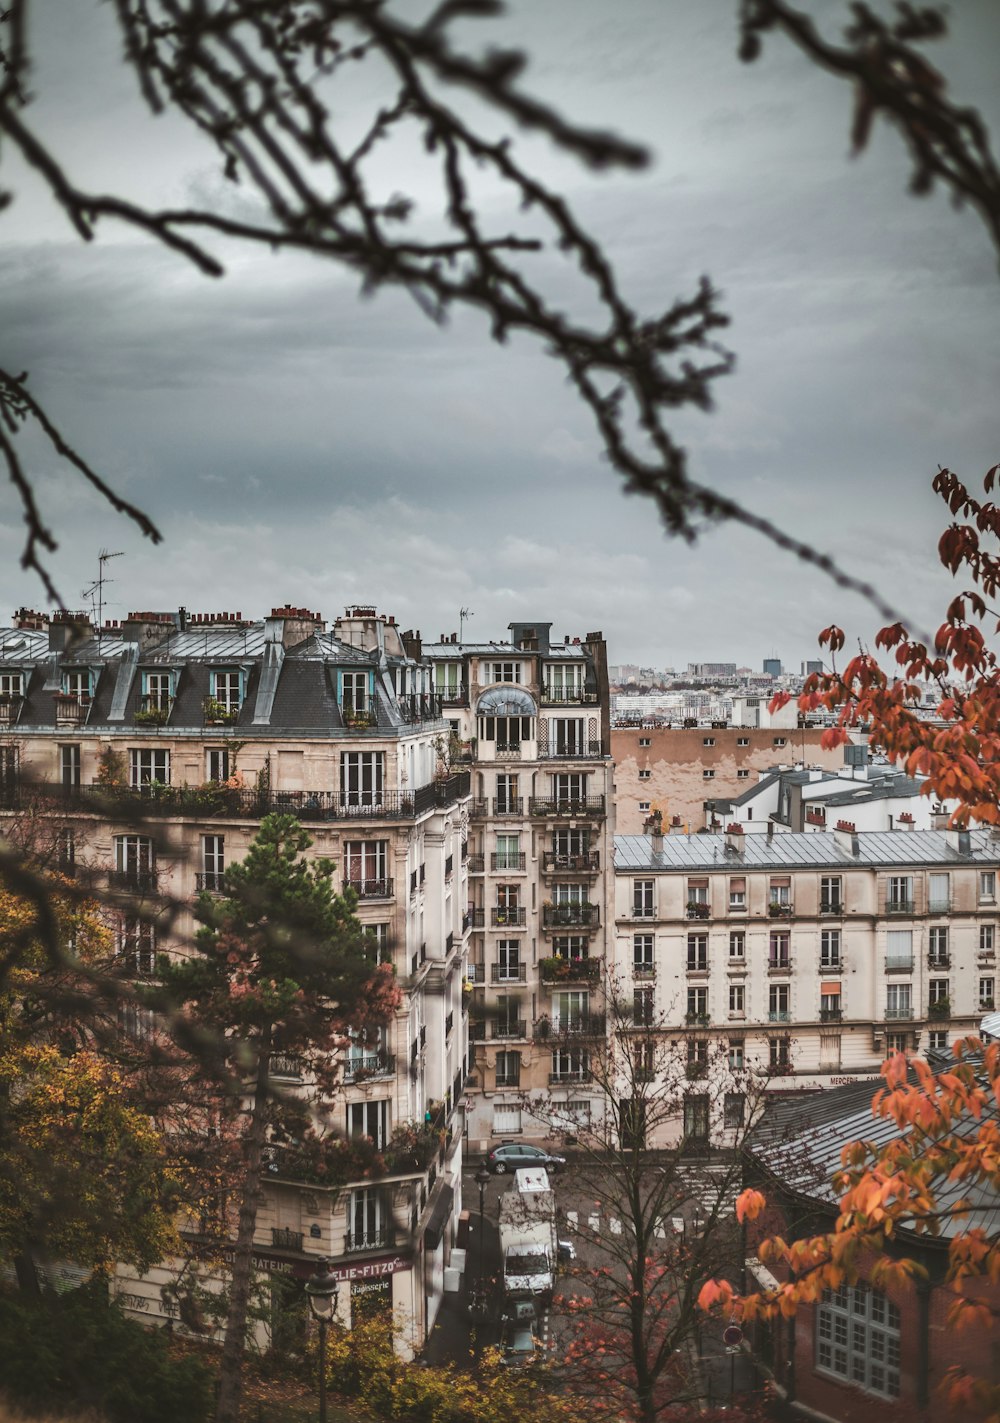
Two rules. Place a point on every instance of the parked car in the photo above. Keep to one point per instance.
(514, 1155)
(518, 1342)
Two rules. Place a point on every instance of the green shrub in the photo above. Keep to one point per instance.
(79, 1350)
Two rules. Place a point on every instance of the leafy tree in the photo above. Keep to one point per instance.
(948, 1120)
(634, 1317)
(279, 968)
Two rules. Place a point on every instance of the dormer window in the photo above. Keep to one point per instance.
(11, 684)
(355, 691)
(157, 691)
(226, 685)
(78, 682)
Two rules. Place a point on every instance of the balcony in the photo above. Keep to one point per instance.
(361, 1066)
(508, 861)
(697, 910)
(941, 1008)
(779, 911)
(779, 1015)
(10, 710)
(476, 973)
(580, 1025)
(508, 917)
(940, 905)
(571, 916)
(476, 918)
(285, 1066)
(939, 960)
(831, 1015)
(831, 906)
(370, 888)
(507, 750)
(479, 809)
(153, 710)
(574, 1074)
(510, 1028)
(592, 805)
(71, 710)
(508, 972)
(419, 706)
(477, 864)
(695, 1019)
(696, 966)
(133, 881)
(570, 751)
(695, 1069)
(469, 920)
(508, 805)
(900, 906)
(210, 882)
(641, 971)
(376, 1239)
(568, 696)
(780, 964)
(567, 970)
(216, 713)
(453, 695)
(832, 966)
(899, 964)
(586, 862)
(898, 1015)
(283, 1239)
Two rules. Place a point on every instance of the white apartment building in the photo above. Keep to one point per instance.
(201, 724)
(810, 955)
(531, 715)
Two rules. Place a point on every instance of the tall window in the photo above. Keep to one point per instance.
(733, 1110)
(899, 949)
(564, 681)
(447, 679)
(697, 1003)
(830, 894)
(148, 766)
(507, 731)
(135, 860)
(779, 949)
(778, 1054)
(377, 948)
(570, 1010)
(217, 764)
(988, 886)
(571, 842)
(508, 961)
(157, 690)
(696, 1118)
(567, 736)
(857, 1338)
(987, 993)
(737, 1054)
(829, 948)
(369, 1119)
(508, 855)
(697, 952)
(900, 896)
(366, 865)
(737, 1000)
(508, 801)
(66, 850)
(642, 898)
(938, 947)
(937, 990)
(899, 1001)
(508, 1070)
(78, 682)
(227, 688)
(777, 1003)
(938, 895)
(642, 1007)
(69, 765)
(737, 946)
(570, 1065)
(986, 938)
(738, 895)
(11, 684)
(361, 778)
(213, 861)
(369, 1219)
(569, 787)
(642, 952)
(136, 944)
(780, 893)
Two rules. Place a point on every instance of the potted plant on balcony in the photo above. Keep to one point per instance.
(112, 771)
(543, 1027)
(151, 716)
(217, 713)
(939, 1009)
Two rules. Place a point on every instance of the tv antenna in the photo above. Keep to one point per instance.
(463, 613)
(96, 590)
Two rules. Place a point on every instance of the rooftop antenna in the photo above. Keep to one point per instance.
(96, 590)
(463, 613)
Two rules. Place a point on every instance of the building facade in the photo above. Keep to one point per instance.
(194, 727)
(810, 956)
(531, 716)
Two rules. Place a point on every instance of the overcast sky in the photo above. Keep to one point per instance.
(298, 443)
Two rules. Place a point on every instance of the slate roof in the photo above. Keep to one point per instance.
(802, 851)
(799, 1139)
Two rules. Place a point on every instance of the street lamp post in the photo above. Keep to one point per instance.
(321, 1292)
(482, 1181)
